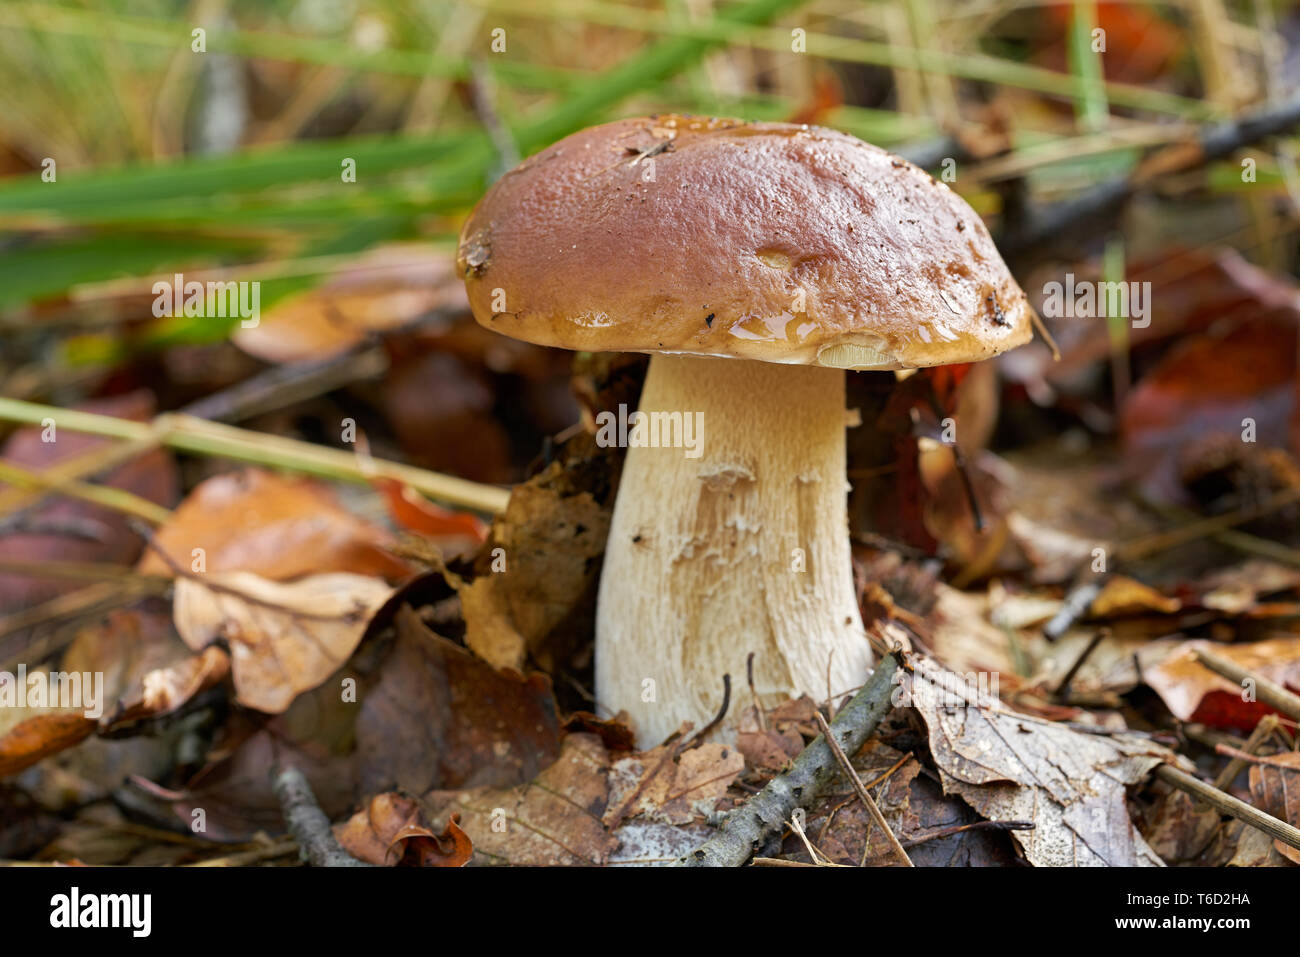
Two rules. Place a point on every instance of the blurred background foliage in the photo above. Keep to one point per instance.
(226, 163)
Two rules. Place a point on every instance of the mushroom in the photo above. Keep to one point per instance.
(756, 263)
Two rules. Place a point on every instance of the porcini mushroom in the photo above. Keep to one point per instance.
(756, 262)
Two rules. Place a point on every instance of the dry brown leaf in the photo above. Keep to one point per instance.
(163, 690)
(270, 525)
(552, 538)
(284, 639)
(659, 785)
(37, 736)
(1237, 590)
(382, 289)
(1122, 595)
(440, 718)
(913, 807)
(963, 638)
(1012, 767)
(1193, 692)
(234, 791)
(391, 831)
(554, 820)
(1276, 790)
(1178, 827)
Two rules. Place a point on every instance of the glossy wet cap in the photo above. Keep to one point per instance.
(713, 237)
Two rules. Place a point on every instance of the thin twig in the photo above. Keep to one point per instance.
(1063, 689)
(1273, 762)
(1269, 692)
(1266, 726)
(747, 827)
(847, 767)
(758, 704)
(973, 826)
(117, 499)
(1230, 805)
(1076, 605)
(201, 437)
(308, 823)
(722, 712)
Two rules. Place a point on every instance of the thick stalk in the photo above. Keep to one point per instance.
(738, 545)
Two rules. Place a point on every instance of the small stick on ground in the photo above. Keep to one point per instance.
(847, 767)
(1269, 692)
(308, 823)
(1063, 689)
(1230, 805)
(758, 705)
(747, 827)
(973, 826)
(1266, 726)
(722, 713)
(1077, 603)
(1246, 758)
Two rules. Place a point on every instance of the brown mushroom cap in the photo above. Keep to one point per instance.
(713, 237)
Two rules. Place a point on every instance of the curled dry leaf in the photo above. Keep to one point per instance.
(270, 525)
(163, 690)
(1012, 767)
(391, 830)
(1193, 692)
(284, 639)
(1275, 788)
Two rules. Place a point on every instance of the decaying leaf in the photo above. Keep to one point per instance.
(914, 807)
(963, 638)
(1195, 693)
(1178, 827)
(1012, 767)
(539, 602)
(553, 820)
(391, 831)
(284, 639)
(663, 785)
(1237, 589)
(163, 690)
(440, 718)
(1275, 788)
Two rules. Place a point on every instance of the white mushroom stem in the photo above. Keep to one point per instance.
(742, 548)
